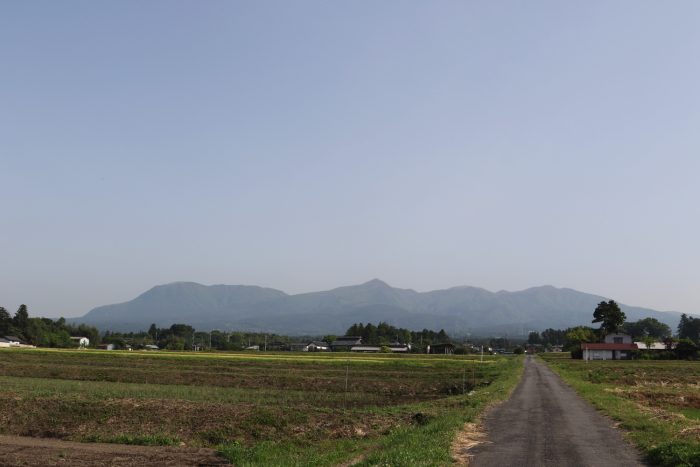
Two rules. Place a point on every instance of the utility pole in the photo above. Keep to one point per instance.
(482, 354)
(265, 343)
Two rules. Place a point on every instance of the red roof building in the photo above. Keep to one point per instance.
(607, 351)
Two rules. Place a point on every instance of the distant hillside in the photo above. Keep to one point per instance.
(459, 310)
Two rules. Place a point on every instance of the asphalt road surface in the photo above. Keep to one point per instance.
(545, 423)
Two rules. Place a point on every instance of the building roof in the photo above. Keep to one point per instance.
(13, 338)
(347, 340)
(607, 346)
(653, 346)
(365, 348)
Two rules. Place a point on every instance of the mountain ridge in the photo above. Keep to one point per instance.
(459, 310)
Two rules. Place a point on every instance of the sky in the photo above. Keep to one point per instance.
(312, 144)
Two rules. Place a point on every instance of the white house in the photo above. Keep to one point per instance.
(4, 342)
(13, 341)
(318, 346)
(615, 347)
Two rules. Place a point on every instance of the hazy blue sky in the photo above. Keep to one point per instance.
(304, 145)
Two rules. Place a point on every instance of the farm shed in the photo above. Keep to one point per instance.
(4, 342)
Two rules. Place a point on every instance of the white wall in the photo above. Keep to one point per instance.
(610, 338)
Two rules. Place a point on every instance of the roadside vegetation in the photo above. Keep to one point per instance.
(256, 409)
(656, 402)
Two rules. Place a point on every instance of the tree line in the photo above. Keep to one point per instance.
(384, 333)
(43, 332)
(185, 337)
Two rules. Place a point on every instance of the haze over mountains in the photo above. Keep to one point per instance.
(458, 310)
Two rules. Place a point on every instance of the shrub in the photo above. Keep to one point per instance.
(676, 453)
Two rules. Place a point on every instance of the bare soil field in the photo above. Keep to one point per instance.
(15, 450)
(251, 408)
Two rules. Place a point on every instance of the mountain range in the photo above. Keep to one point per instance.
(459, 310)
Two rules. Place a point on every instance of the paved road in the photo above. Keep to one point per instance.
(545, 423)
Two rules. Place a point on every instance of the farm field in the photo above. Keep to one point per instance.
(657, 402)
(254, 408)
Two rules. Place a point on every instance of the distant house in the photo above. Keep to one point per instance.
(615, 347)
(81, 342)
(252, 347)
(346, 343)
(446, 349)
(4, 342)
(315, 346)
(106, 347)
(14, 341)
(557, 348)
(318, 346)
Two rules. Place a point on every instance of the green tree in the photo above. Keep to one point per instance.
(153, 332)
(647, 327)
(21, 319)
(609, 315)
(686, 349)
(534, 338)
(648, 341)
(330, 338)
(575, 336)
(689, 328)
(553, 336)
(5, 322)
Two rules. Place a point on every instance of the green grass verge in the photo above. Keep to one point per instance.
(135, 439)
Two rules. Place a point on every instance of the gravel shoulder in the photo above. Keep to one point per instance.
(26, 451)
(545, 423)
